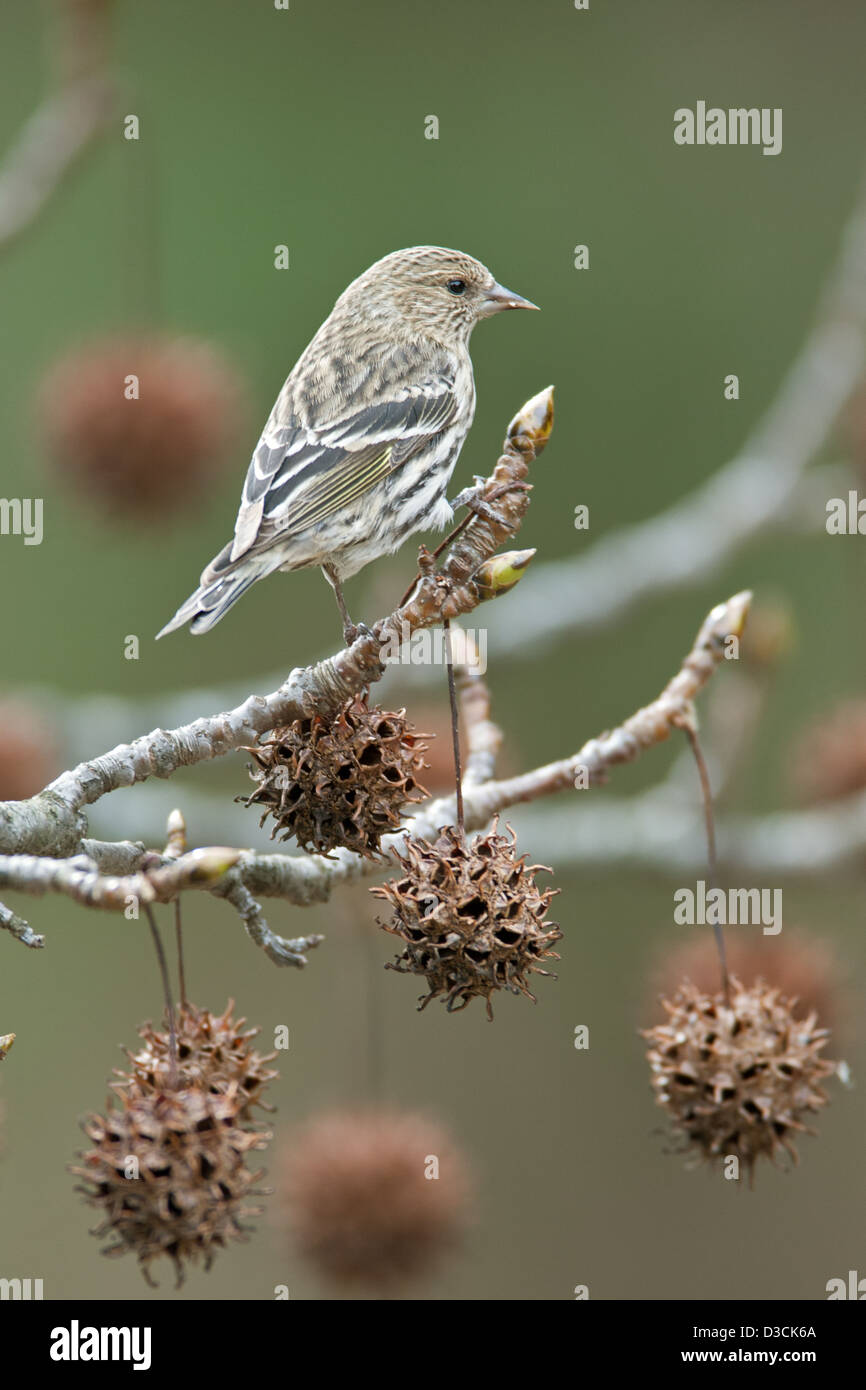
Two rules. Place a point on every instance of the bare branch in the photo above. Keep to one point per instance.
(20, 929)
(307, 879)
(279, 949)
(484, 738)
(53, 822)
(80, 878)
(68, 123)
(659, 831)
(311, 879)
(751, 494)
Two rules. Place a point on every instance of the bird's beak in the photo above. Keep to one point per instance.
(499, 298)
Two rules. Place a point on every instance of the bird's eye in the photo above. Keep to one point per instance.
(456, 286)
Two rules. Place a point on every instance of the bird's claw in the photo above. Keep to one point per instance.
(466, 497)
(352, 631)
(470, 498)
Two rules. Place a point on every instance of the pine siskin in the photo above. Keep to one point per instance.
(360, 446)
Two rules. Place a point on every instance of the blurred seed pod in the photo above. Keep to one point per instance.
(339, 782)
(140, 425)
(738, 1079)
(28, 755)
(829, 761)
(374, 1198)
(770, 633)
(472, 917)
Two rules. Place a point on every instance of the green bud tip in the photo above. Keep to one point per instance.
(534, 421)
(733, 614)
(501, 572)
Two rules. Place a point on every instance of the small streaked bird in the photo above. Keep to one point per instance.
(359, 449)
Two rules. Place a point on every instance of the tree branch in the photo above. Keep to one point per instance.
(307, 879)
(659, 831)
(751, 494)
(67, 124)
(53, 821)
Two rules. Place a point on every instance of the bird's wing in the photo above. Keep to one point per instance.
(299, 476)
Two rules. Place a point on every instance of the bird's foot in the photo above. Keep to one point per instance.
(471, 497)
(352, 631)
(464, 498)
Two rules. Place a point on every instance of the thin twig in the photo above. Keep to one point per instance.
(691, 734)
(455, 731)
(166, 986)
(67, 124)
(178, 938)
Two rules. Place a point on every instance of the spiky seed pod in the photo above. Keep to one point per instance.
(339, 782)
(471, 915)
(803, 968)
(740, 1078)
(366, 1204)
(139, 424)
(214, 1053)
(439, 756)
(830, 759)
(168, 1171)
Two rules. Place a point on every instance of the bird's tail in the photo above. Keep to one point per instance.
(222, 584)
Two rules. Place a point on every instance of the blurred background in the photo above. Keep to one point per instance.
(305, 128)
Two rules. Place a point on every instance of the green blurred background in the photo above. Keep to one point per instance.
(306, 128)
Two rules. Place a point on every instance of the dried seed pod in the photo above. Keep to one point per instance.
(803, 968)
(739, 1078)
(361, 1203)
(168, 1172)
(28, 755)
(214, 1052)
(830, 758)
(339, 782)
(141, 424)
(472, 917)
